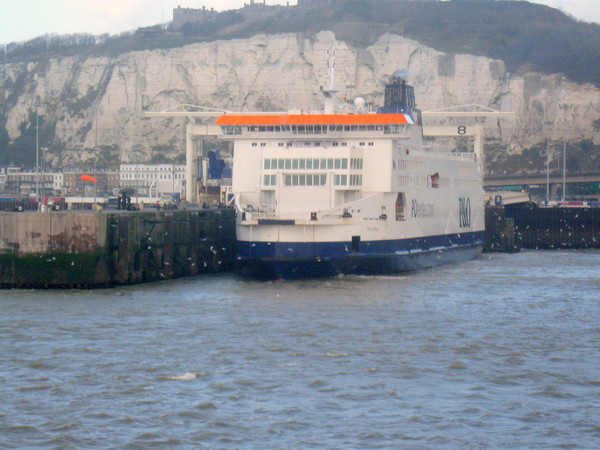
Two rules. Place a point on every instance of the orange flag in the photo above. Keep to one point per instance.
(88, 178)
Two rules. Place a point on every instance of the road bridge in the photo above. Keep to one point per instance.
(518, 180)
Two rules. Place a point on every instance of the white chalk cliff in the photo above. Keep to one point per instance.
(102, 100)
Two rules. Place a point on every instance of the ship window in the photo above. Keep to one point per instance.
(261, 128)
(288, 163)
(267, 164)
(330, 163)
(355, 180)
(263, 144)
(280, 165)
(277, 128)
(338, 164)
(323, 164)
(362, 144)
(280, 144)
(317, 144)
(252, 128)
(305, 180)
(307, 144)
(302, 164)
(301, 129)
(309, 163)
(266, 180)
(371, 127)
(362, 128)
(295, 163)
(370, 144)
(344, 144)
(270, 128)
(340, 180)
(335, 144)
(346, 127)
(254, 144)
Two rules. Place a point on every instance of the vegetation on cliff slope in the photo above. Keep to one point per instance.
(526, 36)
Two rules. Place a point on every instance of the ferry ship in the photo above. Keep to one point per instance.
(353, 192)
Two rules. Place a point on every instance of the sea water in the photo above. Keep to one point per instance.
(499, 352)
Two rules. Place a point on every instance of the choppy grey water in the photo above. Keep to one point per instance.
(502, 351)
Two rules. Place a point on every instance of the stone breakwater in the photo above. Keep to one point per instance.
(70, 250)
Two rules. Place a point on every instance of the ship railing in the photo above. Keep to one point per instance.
(261, 214)
(318, 219)
(467, 156)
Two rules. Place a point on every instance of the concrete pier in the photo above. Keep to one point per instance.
(552, 228)
(103, 249)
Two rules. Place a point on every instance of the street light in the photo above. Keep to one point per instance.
(43, 164)
(37, 148)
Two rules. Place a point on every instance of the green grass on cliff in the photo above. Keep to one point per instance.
(526, 36)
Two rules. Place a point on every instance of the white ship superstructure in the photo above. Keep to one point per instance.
(320, 194)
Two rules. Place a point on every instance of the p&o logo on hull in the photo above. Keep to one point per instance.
(464, 212)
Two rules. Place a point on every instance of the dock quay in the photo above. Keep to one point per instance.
(74, 249)
(89, 249)
(511, 228)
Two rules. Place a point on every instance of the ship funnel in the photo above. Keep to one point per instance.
(399, 97)
(399, 94)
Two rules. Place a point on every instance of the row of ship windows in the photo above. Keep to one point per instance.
(314, 144)
(312, 163)
(313, 180)
(433, 182)
(312, 129)
(409, 166)
(423, 181)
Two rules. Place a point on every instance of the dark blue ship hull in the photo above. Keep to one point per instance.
(318, 260)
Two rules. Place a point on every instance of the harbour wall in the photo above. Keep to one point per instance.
(103, 249)
(511, 228)
(554, 228)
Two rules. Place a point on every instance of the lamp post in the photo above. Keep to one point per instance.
(548, 172)
(43, 164)
(37, 148)
(564, 171)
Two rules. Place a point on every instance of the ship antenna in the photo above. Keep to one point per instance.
(330, 92)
